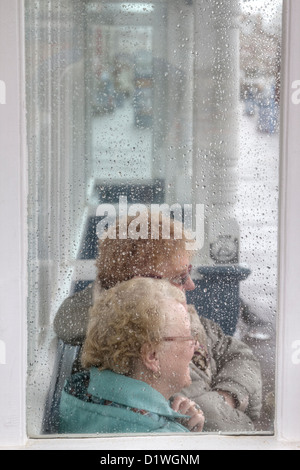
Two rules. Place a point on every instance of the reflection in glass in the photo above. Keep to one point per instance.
(173, 102)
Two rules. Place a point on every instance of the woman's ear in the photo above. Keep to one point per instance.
(150, 357)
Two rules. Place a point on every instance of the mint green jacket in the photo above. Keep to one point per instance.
(106, 402)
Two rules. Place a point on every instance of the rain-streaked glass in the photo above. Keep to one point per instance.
(171, 102)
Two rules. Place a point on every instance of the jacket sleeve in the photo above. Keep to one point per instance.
(219, 416)
(70, 322)
(233, 369)
(236, 369)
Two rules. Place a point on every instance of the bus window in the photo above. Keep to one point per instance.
(172, 105)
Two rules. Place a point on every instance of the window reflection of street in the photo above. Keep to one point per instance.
(121, 149)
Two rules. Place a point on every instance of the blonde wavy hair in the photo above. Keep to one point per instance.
(121, 259)
(123, 319)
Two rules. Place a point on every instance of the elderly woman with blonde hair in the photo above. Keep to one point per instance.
(136, 354)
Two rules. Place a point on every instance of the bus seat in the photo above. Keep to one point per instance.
(65, 364)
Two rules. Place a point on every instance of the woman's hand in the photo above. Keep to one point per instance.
(188, 407)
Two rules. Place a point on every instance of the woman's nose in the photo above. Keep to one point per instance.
(189, 284)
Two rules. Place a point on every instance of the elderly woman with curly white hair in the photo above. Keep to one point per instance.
(136, 354)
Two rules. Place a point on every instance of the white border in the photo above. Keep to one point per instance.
(13, 233)
(13, 243)
(288, 370)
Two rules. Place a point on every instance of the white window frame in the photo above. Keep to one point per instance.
(13, 265)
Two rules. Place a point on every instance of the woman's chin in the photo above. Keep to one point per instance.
(178, 385)
(188, 382)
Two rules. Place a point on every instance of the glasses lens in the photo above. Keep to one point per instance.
(181, 280)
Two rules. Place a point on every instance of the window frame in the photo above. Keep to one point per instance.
(13, 267)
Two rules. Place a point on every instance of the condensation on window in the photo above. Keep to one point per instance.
(172, 106)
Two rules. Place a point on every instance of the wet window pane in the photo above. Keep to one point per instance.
(164, 102)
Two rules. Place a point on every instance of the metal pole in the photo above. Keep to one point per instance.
(216, 142)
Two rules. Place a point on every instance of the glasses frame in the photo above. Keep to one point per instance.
(181, 338)
(178, 280)
(181, 280)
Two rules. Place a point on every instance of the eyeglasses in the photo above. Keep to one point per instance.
(182, 279)
(181, 338)
(179, 280)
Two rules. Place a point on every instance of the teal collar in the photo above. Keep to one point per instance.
(130, 392)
